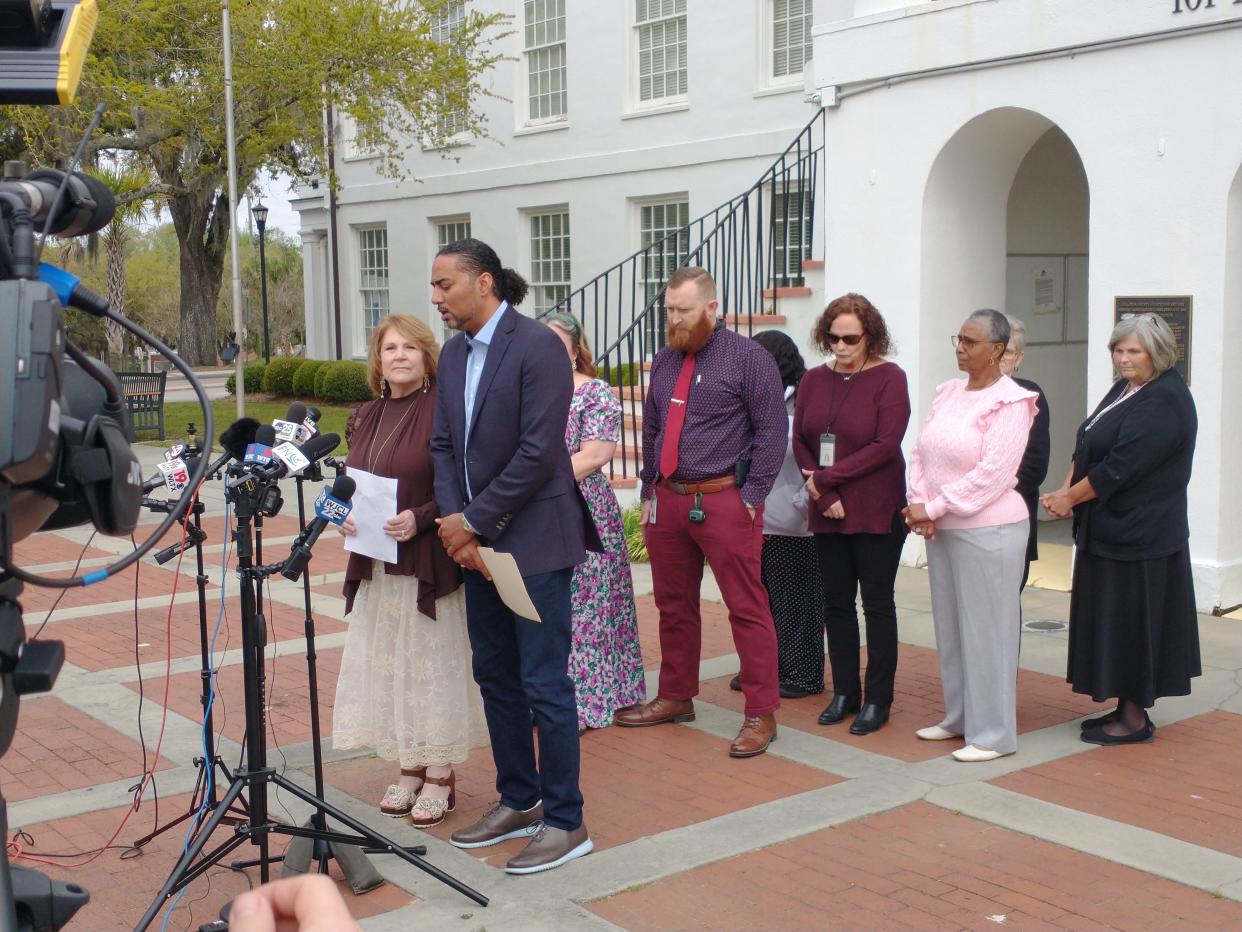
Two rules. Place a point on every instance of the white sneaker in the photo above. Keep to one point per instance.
(936, 733)
(976, 755)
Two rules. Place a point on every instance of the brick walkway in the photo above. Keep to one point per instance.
(828, 830)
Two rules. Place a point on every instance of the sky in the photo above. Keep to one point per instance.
(275, 193)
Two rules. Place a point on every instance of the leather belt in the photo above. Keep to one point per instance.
(718, 484)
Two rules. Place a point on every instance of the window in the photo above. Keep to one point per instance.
(661, 35)
(545, 60)
(444, 29)
(373, 276)
(791, 37)
(549, 260)
(657, 225)
(450, 231)
(791, 234)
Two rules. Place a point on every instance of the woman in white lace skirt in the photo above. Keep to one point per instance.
(405, 686)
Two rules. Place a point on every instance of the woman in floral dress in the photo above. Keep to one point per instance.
(605, 660)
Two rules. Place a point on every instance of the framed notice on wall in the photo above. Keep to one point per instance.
(1176, 312)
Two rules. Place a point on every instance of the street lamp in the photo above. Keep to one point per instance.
(259, 212)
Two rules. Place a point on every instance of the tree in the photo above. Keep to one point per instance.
(157, 67)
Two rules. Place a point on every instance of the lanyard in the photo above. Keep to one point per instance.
(849, 380)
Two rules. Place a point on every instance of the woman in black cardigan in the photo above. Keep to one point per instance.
(1034, 466)
(1133, 630)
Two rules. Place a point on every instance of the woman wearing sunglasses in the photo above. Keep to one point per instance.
(964, 501)
(850, 417)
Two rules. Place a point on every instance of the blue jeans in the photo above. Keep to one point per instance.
(522, 667)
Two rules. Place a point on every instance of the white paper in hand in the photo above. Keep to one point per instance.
(508, 581)
(374, 501)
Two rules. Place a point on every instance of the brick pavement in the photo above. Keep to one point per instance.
(828, 830)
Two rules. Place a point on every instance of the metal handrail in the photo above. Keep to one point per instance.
(751, 259)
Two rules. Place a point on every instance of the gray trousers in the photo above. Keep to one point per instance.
(974, 576)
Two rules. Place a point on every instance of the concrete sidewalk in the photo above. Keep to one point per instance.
(826, 830)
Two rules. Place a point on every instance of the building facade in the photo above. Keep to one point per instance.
(1067, 162)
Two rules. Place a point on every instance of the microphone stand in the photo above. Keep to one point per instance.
(255, 775)
(205, 796)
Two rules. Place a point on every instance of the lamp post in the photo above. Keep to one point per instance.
(259, 212)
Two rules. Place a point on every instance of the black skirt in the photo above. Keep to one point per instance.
(1133, 630)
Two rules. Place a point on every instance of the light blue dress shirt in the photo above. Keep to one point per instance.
(476, 356)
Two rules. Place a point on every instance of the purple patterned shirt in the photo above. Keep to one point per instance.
(736, 410)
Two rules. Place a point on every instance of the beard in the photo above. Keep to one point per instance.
(693, 337)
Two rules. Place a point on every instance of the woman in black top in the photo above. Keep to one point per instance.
(1133, 630)
(1034, 466)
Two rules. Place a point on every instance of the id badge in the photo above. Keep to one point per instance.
(827, 450)
(651, 515)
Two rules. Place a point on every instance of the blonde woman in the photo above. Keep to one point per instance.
(405, 686)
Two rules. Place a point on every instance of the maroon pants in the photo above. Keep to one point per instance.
(732, 543)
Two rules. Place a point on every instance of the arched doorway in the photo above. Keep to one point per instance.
(1006, 225)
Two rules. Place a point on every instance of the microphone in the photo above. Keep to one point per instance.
(86, 207)
(265, 463)
(291, 429)
(331, 507)
(235, 439)
(174, 474)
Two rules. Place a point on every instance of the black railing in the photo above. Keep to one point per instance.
(753, 245)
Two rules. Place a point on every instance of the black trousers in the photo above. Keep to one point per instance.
(850, 563)
(791, 576)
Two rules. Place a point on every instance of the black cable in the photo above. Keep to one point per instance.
(64, 182)
(142, 740)
(271, 691)
(48, 617)
(175, 515)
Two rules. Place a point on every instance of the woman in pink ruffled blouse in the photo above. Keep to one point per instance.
(963, 500)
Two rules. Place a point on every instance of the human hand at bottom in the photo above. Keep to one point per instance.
(309, 903)
(468, 556)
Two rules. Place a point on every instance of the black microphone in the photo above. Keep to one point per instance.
(314, 413)
(236, 437)
(86, 207)
(331, 508)
(291, 428)
(287, 456)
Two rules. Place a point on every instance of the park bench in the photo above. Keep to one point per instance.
(144, 397)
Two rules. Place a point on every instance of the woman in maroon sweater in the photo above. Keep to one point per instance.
(850, 418)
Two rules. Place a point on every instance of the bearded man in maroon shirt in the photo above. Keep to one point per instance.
(714, 434)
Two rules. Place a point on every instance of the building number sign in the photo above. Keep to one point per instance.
(1190, 6)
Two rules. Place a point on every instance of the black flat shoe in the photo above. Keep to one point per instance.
(1098, 720)
(840, 707)
(735, 684)
(869, 719)
(790, 691)
(1098, 735)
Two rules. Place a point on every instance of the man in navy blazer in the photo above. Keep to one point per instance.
(503, 478)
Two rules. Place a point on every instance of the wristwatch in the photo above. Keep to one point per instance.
(468, 526)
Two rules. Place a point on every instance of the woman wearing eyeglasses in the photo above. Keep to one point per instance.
(605, 660)
(963, 500)
(1134, 635)
(1034, 466)
(849, 420)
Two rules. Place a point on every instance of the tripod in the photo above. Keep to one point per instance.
(205, 797)
(256, 775)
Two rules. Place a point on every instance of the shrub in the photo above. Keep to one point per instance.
(278, 379)
(632, 519)
(321, 375)
(253, 382)
(622, 375)
(346, 381)
(304, 378)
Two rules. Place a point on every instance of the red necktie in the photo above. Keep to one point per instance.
(676, 418)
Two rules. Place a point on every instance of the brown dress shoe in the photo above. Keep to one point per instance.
(758, 731)
(498, 824)
(551, 847)
(659, 711)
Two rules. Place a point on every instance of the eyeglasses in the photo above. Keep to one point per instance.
(967, 341)
(849, 339)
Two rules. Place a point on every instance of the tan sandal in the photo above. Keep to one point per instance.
(427, 811)
(398, 801)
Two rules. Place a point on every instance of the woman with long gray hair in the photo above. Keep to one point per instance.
(1134, 635)
(963, 500)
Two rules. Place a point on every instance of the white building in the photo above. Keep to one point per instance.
(1046, 157)
(1049, 157)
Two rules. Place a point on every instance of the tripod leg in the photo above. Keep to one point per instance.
(379, 840)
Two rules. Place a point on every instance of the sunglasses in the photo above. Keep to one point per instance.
(849, 339)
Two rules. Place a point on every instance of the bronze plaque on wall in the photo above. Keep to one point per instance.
(1176, 312)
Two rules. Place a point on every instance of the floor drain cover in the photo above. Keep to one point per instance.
(1041, 624)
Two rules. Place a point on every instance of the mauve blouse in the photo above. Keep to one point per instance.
(406, 457)
(868, 413)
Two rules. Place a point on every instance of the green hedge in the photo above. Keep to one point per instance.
(345, 381)
(253, 379)
(278, 379)
(304, 378)
(622, 375)
(321, 376)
